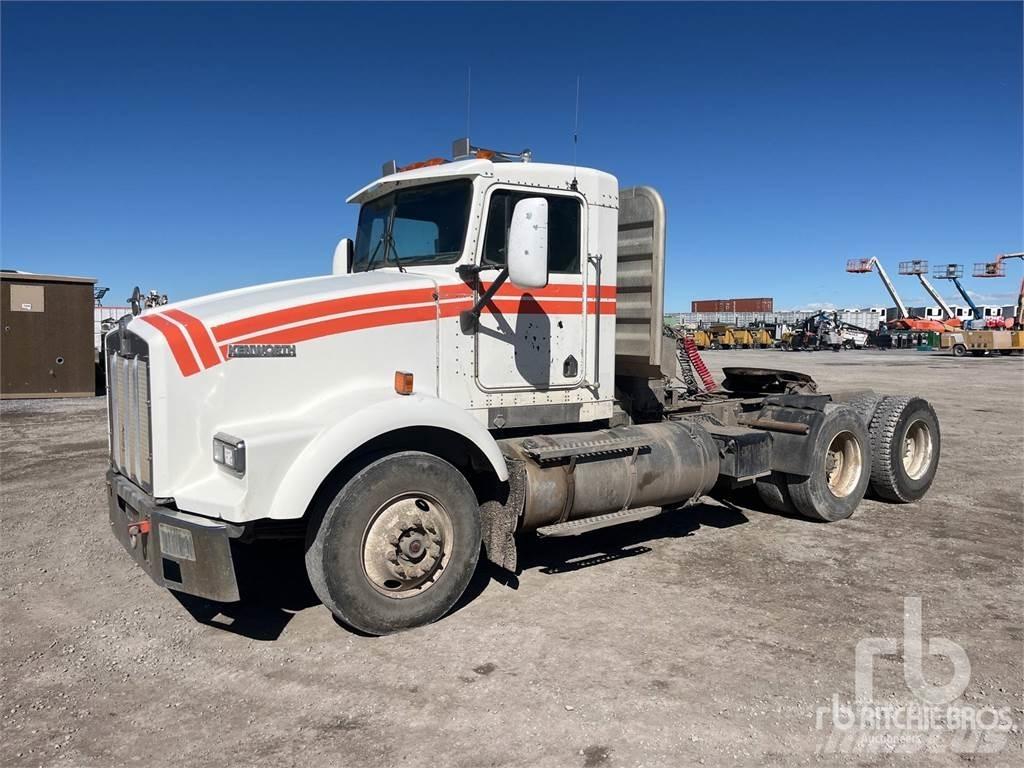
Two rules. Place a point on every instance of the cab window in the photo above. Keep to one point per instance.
(564, 215)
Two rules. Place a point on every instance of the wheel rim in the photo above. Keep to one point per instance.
(407, 545)
(917, 450)
(843, 464)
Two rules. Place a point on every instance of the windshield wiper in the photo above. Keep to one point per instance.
(376, 248)
(391, 246)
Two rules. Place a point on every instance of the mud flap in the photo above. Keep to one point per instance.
(500, 517)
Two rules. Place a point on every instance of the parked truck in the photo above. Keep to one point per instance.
(486, 359)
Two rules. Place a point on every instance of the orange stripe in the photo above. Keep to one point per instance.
(176, 341)
(554, 291)
(343, 325)
(270, 320)
(318, 309)
(510, 300)
(200, 338)
(380, 319)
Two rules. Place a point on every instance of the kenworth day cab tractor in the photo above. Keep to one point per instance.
(487, 359)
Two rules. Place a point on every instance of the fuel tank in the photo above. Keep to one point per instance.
(583, 474)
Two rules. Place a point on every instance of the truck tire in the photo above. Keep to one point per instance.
(905, 444)
(398, 544)
(840, 468)
(959, 350)
(774, 493)
(865, 406)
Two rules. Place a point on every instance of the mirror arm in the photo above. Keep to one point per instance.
(469, 318)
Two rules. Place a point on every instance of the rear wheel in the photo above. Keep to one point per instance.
(865, 406)
(959, 350)
(398, 544)
(905, 448)
(840, 468)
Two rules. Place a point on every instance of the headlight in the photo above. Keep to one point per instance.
(229, 452)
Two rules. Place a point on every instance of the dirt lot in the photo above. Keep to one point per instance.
(711, 636)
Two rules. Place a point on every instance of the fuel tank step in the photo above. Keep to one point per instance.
(586, 524)
(551, 448)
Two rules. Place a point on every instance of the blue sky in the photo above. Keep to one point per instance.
(200, 147)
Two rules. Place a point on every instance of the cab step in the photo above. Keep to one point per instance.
(586, 524)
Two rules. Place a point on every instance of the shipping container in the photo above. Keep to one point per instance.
(732, 305)
(753, 305)
(47, 336)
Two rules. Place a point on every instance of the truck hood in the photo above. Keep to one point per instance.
(247, 314)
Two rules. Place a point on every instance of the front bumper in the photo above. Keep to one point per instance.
(180, 551)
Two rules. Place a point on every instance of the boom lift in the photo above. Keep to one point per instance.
(996, 269)
(919, 268)
(977, 321)
(904, 322)
(487, 358)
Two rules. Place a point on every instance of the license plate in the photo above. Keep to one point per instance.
(177, 542)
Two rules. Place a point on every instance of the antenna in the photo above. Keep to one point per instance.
(576, 132)
(469, 95)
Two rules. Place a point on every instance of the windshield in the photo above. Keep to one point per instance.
(419, 225)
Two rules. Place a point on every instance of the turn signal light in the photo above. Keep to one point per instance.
(403, 382)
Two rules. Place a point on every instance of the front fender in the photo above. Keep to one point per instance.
(381, 411)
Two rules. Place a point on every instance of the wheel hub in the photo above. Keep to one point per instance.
(843, 464)
(405, 547)
(917, 450)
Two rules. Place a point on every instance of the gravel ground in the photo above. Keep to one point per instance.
(711, 636)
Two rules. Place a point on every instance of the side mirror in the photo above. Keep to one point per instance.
(527, 257)
(342, 257)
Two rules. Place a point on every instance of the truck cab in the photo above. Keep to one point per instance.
(487, 357)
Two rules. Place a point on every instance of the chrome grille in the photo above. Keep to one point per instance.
(128, 392)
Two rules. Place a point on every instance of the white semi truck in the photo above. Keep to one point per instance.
(486, 359)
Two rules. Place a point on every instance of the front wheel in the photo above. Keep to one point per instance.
(398, 544)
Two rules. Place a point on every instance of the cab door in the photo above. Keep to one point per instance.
(534, 339)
